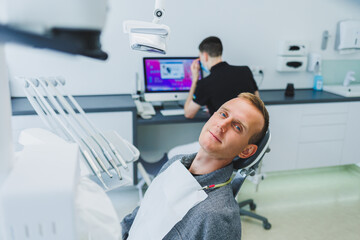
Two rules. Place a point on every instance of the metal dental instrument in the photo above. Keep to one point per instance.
(44, 84)
(82, 124)
(60, 83)
(83, 149)
(42, 111)
(116, 152)
(36, 105)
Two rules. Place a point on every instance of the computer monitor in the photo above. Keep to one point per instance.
(167, 78)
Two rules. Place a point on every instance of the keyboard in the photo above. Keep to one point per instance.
(172, 112)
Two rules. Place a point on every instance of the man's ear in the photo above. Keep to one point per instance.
(206, 56)
(248, 151)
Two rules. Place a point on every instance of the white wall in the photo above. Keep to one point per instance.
(250, 31)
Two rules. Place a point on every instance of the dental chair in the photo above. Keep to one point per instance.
(248, 167)
(244, 167)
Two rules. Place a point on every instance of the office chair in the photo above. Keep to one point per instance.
(248, 167)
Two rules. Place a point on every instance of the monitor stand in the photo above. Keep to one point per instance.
(172, 105)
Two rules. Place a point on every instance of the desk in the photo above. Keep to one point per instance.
(201, 116)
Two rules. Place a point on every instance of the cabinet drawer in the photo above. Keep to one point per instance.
(322, 133)
(319, 154)
(325, 108)
(323, 119)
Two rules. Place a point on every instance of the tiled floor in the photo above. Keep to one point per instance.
(311, 204)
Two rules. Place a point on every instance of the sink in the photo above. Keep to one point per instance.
(349, 91)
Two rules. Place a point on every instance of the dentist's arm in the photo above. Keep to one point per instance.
(191, 107)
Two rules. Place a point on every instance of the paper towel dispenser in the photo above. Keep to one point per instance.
(348, 36)
(293, 48)
(292, 56)
(291, 64)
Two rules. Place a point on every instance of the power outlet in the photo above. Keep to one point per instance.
(257, 70)
(258, 74)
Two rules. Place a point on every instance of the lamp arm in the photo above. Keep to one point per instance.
(159, 10)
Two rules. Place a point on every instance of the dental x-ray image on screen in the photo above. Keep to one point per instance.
(167, 78)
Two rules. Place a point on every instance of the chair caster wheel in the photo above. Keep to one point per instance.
(267, 225)
(252, 206)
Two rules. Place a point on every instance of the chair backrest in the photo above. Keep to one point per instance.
(248, 166)
(241, 163)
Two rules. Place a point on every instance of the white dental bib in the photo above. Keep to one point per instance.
(170, 196)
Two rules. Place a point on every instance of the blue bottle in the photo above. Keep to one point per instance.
(318, 83)
(318, 78)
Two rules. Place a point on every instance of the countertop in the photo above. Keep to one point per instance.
(93, 103)
(124, 102)
(273, 97)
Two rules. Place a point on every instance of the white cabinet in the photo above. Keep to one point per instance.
(322, 130)
(352, 139)
(313, 135)
(284, 138)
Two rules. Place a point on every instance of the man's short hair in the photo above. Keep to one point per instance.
(212, 46)
(259, 104)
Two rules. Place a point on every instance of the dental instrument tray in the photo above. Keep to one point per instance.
(104, 154)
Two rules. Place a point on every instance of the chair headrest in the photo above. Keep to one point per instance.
(240, 163)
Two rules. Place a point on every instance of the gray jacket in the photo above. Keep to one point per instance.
(217, 217)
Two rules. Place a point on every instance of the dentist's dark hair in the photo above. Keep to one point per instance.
(212, 46)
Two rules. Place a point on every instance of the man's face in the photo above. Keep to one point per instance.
(226, 134)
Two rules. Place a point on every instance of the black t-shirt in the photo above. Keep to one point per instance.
(224, 83)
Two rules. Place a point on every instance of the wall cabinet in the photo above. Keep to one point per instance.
(313, 135)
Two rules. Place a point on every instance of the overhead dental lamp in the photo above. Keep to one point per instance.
(71, 26)
(148, 36)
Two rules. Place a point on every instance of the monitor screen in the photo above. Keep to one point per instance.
(167, 78)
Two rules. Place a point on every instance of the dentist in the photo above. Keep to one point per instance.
(223, 83)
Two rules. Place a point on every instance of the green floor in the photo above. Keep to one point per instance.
(311, 204)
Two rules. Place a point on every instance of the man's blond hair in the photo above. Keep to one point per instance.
(259, 104)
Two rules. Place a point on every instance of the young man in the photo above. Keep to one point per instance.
(224, 82)
(234, 130)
